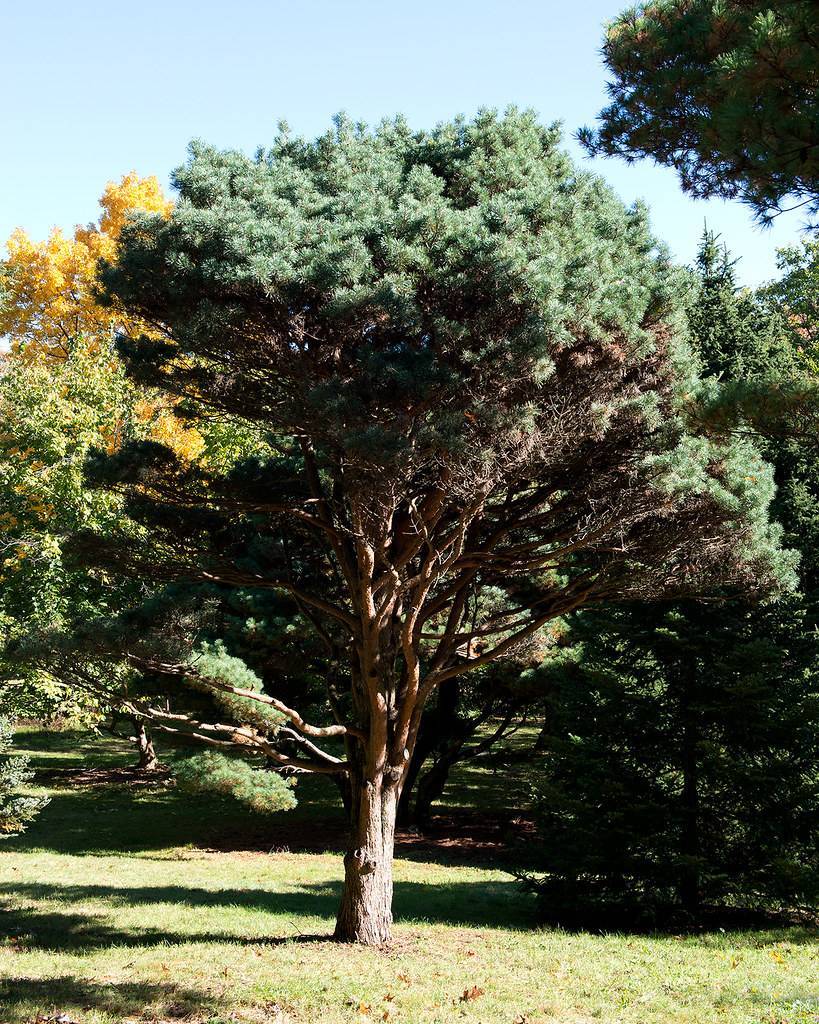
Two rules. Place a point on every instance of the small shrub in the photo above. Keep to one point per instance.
(16, 811)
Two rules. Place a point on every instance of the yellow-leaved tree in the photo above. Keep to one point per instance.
(63, 392)
(49, 307)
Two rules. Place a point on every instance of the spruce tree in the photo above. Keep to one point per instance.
(683, 764)
(17, 810)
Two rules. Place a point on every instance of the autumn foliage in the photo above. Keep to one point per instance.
(50, 304)
(50, 299)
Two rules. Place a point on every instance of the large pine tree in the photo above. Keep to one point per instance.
(464, 365)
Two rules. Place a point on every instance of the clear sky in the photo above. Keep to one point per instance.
(94, 89)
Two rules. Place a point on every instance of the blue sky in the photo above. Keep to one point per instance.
(92, 90)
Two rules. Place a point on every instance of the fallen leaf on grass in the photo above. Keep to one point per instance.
(471, 993)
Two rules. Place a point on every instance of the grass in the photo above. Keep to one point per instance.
(117, 909)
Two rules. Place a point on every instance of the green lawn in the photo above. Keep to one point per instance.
(118, 907)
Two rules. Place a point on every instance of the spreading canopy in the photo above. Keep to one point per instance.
(464, 368)
(434, 318)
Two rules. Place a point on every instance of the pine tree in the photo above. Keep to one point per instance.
(723, 91)
(463, 363)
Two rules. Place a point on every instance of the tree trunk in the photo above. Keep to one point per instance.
(431, 788)
(148, 761)
(406, 809)
(543, 737)
(365, 914)
(440, 724)
(345, 791)
(689, 887)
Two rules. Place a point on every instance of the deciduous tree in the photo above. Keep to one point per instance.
(49, 301)
(62, 390)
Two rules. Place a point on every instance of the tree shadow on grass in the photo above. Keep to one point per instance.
(497, 905)
(47, 998)
(481, 905)
(119, 820)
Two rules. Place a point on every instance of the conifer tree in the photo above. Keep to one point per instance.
(723, 91)
(683, 764)
(17, 811)
(464, 364)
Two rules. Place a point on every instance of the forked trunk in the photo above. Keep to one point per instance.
(365, 914)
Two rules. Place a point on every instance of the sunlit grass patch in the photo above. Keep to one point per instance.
(173, 930)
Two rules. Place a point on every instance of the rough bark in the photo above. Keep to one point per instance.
(365, 913)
